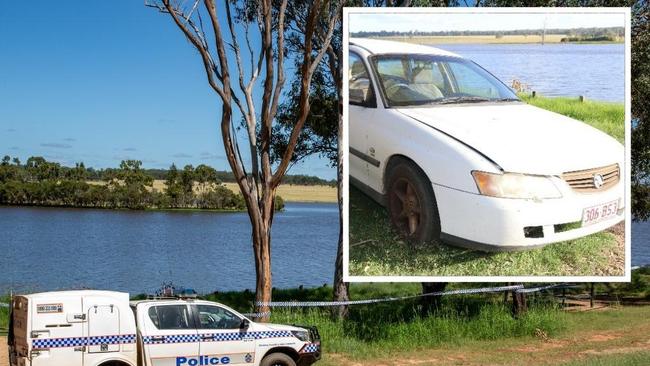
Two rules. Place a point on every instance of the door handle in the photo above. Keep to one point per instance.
(157, 339)
(206, 337)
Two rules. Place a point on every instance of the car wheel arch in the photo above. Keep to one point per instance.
(392, 161)
(286, 350)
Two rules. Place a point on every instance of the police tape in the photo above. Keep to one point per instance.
(3, 305)
(466, 291)
(541, 288)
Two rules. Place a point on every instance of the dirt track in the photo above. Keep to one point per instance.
(4, 354)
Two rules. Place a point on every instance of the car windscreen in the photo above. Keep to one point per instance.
(408, 80)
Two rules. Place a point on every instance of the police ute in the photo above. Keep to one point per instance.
(102, 328)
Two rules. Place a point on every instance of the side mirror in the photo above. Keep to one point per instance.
(358, 96)
(244, 324)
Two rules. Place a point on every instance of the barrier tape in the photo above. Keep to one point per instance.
(541, 288)
(387, 299)
(3, 305)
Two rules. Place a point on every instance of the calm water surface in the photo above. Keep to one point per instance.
(596, 71)
(640, 243)
(135, 251)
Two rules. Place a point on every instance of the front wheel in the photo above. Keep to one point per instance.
(278, 359)
(411, 203)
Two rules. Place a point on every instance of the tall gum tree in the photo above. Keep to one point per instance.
(259, 181)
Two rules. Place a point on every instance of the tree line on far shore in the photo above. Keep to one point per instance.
(39, 182)
(575, 33)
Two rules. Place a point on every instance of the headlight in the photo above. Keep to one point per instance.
(513, 185)
(301, 334)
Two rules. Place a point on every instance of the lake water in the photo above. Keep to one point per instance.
(596, 71)
(135, 251)
(640, 243)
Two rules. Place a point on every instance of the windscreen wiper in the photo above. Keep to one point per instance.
(463, 100)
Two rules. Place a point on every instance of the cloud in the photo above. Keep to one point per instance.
(69, 139)
(210, 156)
(130, 149)
(14, 148)
(56, 145)
(10, 130)
(181, 155)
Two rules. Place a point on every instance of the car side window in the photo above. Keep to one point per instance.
(360, 86)
(170, 317)
(215, 317)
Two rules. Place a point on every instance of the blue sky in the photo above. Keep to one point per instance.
(99, 82)
(480, 22)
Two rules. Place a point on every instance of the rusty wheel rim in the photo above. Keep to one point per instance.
(405, 206)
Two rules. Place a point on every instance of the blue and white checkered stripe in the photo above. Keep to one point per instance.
(310, 348)
(216, 337)
(82, 341)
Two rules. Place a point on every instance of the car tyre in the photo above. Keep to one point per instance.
(278, 359)
(411, 203)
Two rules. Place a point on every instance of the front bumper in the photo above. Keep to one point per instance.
(497, 224)
(311, 351)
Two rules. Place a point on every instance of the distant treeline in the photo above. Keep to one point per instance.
(577, 32)
(39, 182)
(222, 176)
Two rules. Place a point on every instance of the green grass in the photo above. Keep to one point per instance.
(378, 330)
(377, 250)
(4, 315)
(628, 359)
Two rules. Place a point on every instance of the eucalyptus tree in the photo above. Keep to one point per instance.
(256, 68)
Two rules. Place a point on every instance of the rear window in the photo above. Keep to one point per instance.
(170, 317)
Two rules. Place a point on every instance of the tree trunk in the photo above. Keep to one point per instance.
(519, 305)
(262, 250)
(341, 289)
(431, 303)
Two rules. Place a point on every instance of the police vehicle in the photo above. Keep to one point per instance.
(102, 328)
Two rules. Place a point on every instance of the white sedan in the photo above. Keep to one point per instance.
(456, 156)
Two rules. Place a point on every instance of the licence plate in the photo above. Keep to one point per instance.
(594, 214)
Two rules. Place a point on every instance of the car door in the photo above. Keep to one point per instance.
(57, 329)
(222, 339)
(361, 115)
(171, 337)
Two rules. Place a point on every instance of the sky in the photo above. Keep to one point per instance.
(479, 22)
(103, 81)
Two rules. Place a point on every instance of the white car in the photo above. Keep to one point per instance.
(455, 155)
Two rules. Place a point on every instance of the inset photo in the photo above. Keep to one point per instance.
(487, 144)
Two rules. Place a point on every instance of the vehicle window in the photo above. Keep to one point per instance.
(471, 82)
(170, 317)
(215, 317)
(360, 87)
(429, 79)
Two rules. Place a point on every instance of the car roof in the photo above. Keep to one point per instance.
(376, 46)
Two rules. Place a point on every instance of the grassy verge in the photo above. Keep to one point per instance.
(375, 249)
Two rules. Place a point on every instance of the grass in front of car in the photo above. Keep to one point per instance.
(376, 250)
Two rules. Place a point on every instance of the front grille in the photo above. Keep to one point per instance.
(585, 181)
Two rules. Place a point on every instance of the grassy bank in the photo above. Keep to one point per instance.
(478, 327)
(375, 249)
